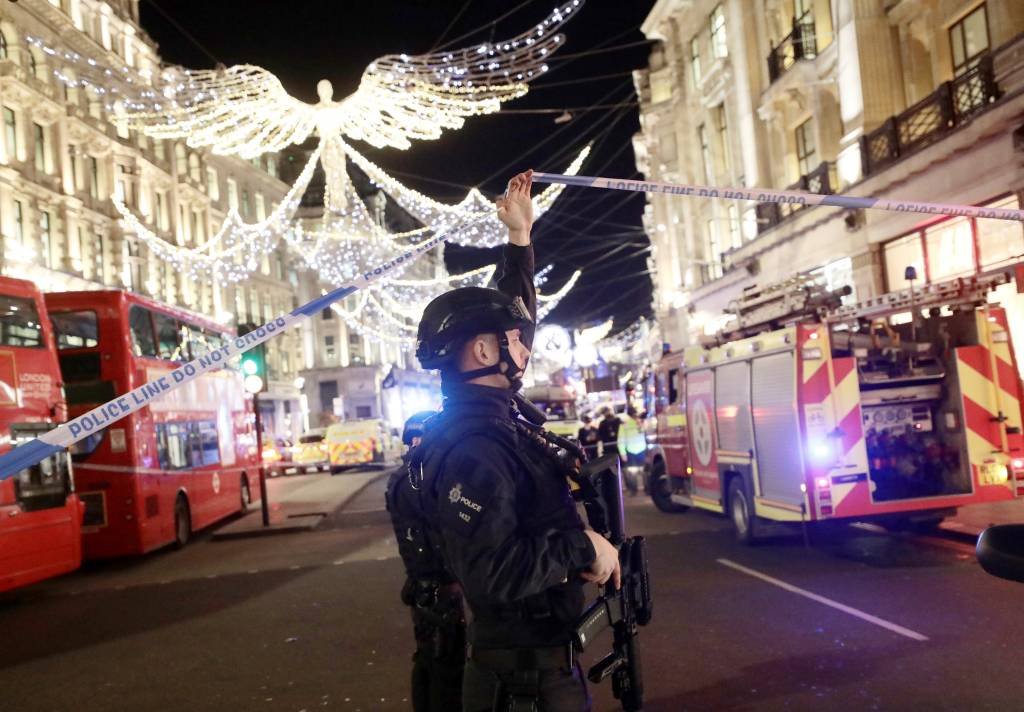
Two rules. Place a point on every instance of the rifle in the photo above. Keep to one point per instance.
(599, 487)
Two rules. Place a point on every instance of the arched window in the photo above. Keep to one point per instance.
(3, 45)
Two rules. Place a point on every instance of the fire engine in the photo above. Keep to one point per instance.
(803, 409)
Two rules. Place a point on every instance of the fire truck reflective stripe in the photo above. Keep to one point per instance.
(881, 622)
(815, 388)
(978, 358)
(98, 418)
(792, 197)
(979, 422)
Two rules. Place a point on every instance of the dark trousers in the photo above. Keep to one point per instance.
(560, 690)
(437, 664)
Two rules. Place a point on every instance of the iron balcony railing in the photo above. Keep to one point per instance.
(930, 119)
(799, 44)
(821, 180)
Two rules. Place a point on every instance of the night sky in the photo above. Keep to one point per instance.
(597, 231)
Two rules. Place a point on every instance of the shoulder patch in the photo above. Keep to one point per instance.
(462, 507)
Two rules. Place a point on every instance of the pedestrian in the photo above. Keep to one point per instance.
(588, 436)
(632, 446)
(608, 432)
(430, 591)
(508, 526)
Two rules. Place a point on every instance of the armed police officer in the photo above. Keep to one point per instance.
(502, 511)
(430, 591)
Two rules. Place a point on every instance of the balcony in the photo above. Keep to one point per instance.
(821, 180)
(930, 119)
(801, 43)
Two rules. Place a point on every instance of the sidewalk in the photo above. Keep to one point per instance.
(299, 503)
(975, 518)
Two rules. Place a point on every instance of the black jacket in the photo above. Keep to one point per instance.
(508, 526)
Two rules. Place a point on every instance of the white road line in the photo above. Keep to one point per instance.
(826, 601)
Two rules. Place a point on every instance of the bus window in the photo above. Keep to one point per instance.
(75, 329)
(208, 442)
(214, 340)
(170, 344)
(196, 341)
(44, 485)
(143, 339)
(172, 446)
(19, 322)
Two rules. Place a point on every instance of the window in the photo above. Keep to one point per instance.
(272, 170)
(735, 233)
(714, 250)
(196, 340)
(950, 249)
(161, 210)
(722, 133)
(806, 149)
(94, 178)
(140, 320)
(705, 153)
(33, 64)
(19, 322)
(719, 46)
(170, 344)
(194, 169)
(232, 194)
(19, 221)
(11, 133)
(180, 161)
(354, 339)
(328, 392)
(695, 60)
(3, 46)
(172, 445)
(75, 247)
(245, 203)
(364, 411)
(1000, 241)
(76, 329)
(212, 186)
(968, 39)
(327, 313)
(46, 237)
(261, 207)
(40, 137)
(159, 149)
(208, 443)
(329, 351)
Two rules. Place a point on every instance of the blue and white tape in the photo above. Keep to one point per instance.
(793, 197)
(65, 435)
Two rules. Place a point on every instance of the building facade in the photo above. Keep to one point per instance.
(916, 99)
(63, 157)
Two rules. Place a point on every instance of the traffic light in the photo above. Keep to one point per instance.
(254, 364)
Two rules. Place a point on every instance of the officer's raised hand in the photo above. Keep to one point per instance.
(515, 208)
(606, 565)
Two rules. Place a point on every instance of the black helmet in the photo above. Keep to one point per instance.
(414, 426)
(461, 313)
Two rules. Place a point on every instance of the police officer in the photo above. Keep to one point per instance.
(430, 591)
(500, 503)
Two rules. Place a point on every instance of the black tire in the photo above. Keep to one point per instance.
(182, 522)
(660, 488)
(741, 512)
(245, 496)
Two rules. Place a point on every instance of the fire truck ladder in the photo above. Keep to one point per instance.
(759, 309)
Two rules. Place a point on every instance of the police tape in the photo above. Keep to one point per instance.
(792, 197)
(67, 434)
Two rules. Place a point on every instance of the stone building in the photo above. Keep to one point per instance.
(62, 158)
(917, 99)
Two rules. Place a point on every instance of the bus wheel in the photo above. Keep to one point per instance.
(246, 496)
(741, 512)
(182, 523)
(660, 487)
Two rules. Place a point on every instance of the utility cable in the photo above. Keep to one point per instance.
(188, 35)
(490, 24)
(450, 25)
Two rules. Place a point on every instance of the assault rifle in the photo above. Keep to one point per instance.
(599, 487)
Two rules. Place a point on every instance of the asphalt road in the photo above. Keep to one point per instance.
(860, 620)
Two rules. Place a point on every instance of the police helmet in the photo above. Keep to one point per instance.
(455, 316)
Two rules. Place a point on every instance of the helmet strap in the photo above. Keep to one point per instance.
(512, 371)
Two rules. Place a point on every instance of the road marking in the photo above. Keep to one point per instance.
(826, 601)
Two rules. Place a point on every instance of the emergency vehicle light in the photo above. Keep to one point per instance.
(820, 451)
(823, 482)
(1018, 464)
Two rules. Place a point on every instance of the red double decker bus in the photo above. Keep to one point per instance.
(40, 516)
(181, 463)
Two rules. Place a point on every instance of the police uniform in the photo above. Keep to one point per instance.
(434, 599)
(500, 507)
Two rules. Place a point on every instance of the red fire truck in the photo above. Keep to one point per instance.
(806, 410)
(40, 516)
(181, 463)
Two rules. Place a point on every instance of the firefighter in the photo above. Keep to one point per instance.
(500, 502)
(430, 591)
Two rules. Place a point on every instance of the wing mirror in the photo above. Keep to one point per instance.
(1000, 551)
